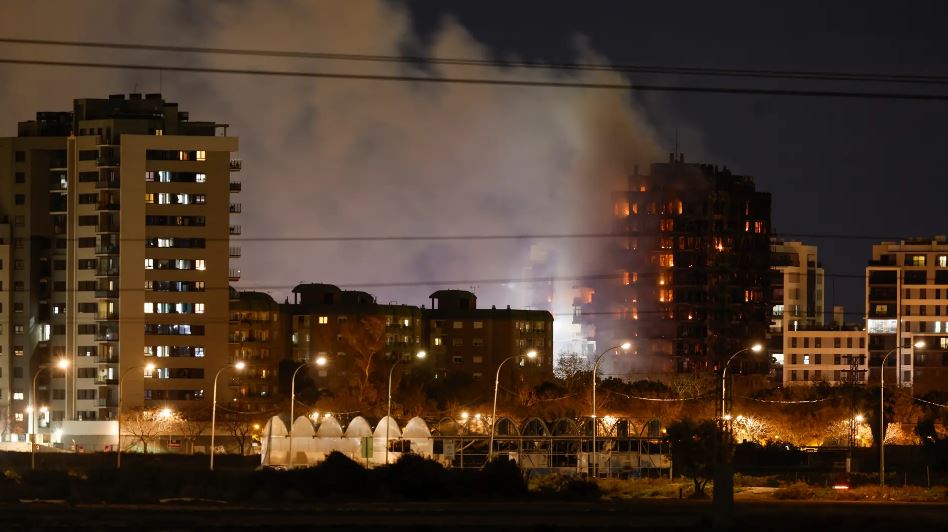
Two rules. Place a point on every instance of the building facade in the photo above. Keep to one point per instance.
(907, 304)
(120, 227)
(258, 334)
(692, 270)
(831, 355)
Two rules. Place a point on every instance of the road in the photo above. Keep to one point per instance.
(460, 516)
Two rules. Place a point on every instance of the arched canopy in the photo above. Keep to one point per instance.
(506, 427)
(358, 428)
(329, 427)
(564, 426)
(275, 427)
(446, 426)
(416, 428)
(303, 426)
(390, 424)
(535, 427)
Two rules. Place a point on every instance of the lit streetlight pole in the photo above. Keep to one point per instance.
(237, 366)
(595, 425)
(420, 355)
(756, 348)
(62, 364)
(493, 417)
(918, 345)
(320, 361)
(148, 368)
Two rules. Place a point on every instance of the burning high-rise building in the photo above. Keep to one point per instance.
(691, 270)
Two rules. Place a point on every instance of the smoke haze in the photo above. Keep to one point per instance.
(362, 158)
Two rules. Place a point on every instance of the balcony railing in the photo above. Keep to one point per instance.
(107, 228)
(106, 358)
(234, 253)
(108, 402)
(235, 186)
(235, 165)
(107, 161)
(106, 294)
(107, 206)
(106, 381)
(235, 230)
(234, 275)
(107, 183)
(107, 316)
(106, 271)
(107, 249)
(235, 208)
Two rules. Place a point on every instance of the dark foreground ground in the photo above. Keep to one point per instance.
(474, 515)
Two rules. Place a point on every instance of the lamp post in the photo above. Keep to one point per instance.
(62, 364)
(148, 368)
(919, 344)
(237, 366)
(420, 355)
(320, 361)
(756, 348)
(595, 426)
(493, 417)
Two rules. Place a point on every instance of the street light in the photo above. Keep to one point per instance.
(420, 355)
(625, 347)
(62, 364)
(320, 361)
(493, 418)
(918, 345)
(240, 365)
(149, 367)
(756, 348)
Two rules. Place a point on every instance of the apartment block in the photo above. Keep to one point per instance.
(119, 215)
(813, 355)
(258, 333)
(692, 270)
(906, 305)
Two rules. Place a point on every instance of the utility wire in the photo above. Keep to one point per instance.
(482, 81)
(495, 63)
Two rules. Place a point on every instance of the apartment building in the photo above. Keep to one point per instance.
(258, 333)
(833, 355)
(907, 305)
(693, 267)
(120, 215)
(463, 339)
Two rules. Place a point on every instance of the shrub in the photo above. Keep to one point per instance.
(796, 491)
(502, 478)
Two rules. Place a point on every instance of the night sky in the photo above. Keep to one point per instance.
(349, 158)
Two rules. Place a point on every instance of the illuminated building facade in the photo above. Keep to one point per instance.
(692, 269)
(119, 217)
(257, 337)
(907, 303)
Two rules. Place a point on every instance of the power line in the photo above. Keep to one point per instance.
(494, 81)
(495, 63)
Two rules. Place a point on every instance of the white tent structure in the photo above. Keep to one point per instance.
(311, 443)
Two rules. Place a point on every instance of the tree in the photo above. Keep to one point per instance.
(240, 425)
(147, 425)
(365, 338)
(693, 445)
(573, 369)
(192, 423)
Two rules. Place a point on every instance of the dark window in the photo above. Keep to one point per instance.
(88, 199)
(19, 177)
(89, 220)
(20, 156)
(916, 277)
(88, 155)
(86, 328)
(17, 373)
(87, 242)
(19, 199)
(88, 308)
(86, 264)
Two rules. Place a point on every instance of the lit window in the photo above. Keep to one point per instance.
(18, 416)
(200, 264)
(881, 326)
(406, 322)
(149, 308)
(199, 308)
(918, 260)
(200, 178)
(625, 278)
(666, 260)
(806, 359)
(164, 176)
(942, 261)
(149, 264)
(149, 197)
(200, 155)
(478, 324)
(458, 324)
(159, 132)
(323, 320)
(943, 343)
(199, 352)
(17, 396)
(438, 341)
(182, 156)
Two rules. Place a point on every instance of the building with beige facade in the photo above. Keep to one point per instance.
(119, 215)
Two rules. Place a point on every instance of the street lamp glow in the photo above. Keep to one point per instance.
(321, 361)
(44, 409)
(626, 346)
(920, 344)
(165, 413)
(62, 363)
(531, 354)
(240, 365)
(727, 417)
(757, 348)
(859, 418)
(421, 355)
(464, 416)
(149, 367)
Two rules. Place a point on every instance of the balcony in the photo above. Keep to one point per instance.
(235, 186)
(107, 228)
(107, 332)
(106, 294)
(107, 249)
(102, 380)
(235, 208)
(107, 402)
(107, 206)
(107, 161)
(235, 230)
(235, 165)
(234, 253)
(104, 270)
(234, 275)
(106, 316)
(106, 358)
(107, 183)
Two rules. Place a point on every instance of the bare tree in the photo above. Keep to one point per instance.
(573, 369)
(192, 423)
(240, 425)
(365, 338)
(147, 425)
